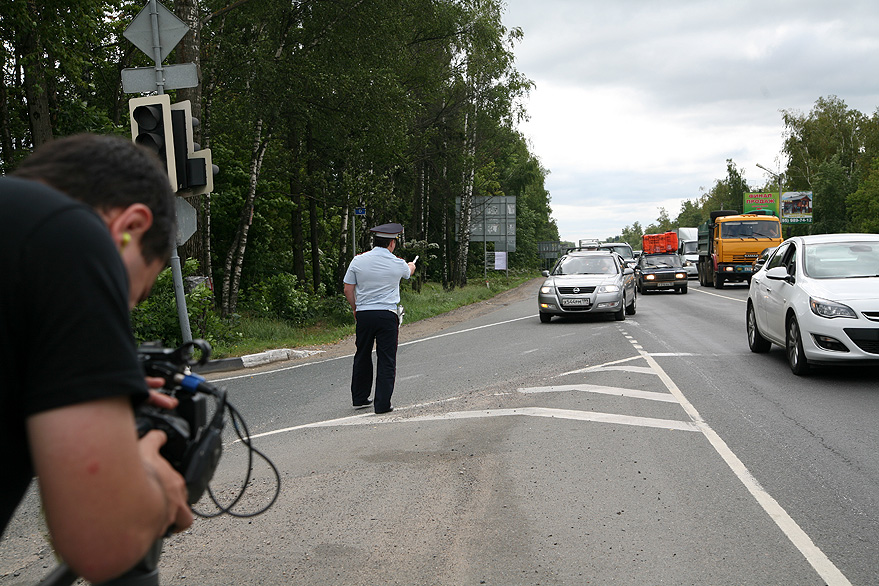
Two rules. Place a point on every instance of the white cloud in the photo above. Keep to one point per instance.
(639, 104)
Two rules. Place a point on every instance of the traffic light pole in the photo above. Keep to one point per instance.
(176, 268)
(156, 31)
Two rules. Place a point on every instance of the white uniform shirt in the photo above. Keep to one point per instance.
(376, 278)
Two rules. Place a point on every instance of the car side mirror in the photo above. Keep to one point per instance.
(544, 273)
(628, 271)
(777, 274)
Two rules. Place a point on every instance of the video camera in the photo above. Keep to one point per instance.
(194, 443)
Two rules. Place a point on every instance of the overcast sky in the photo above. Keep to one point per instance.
(639, 103)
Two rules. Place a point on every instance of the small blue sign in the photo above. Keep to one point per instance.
(359, 211)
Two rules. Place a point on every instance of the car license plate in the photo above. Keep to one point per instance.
(576, 301)
(665, 284)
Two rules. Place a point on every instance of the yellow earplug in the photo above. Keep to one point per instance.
(126, 238)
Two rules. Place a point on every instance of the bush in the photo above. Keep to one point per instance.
(330, 309)
(277, 297)
(156, 317)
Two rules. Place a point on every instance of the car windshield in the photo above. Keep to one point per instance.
(691, 247)
(841, 260)
(658, 261)
(750, 229)
(578, 265)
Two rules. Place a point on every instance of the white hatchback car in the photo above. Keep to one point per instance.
(818, 297)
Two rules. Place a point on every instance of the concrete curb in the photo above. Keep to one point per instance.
(251, 360)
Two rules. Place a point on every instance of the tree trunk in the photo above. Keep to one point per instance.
(235, 256)
(296, 228)
(468, 178)
(6, 151)
(312, 215)
(36, 85)
(342, 265)
(315, 246)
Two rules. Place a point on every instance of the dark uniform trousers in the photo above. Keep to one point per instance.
(379, 328)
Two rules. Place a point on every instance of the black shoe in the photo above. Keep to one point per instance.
(388, 410)
(363, 405)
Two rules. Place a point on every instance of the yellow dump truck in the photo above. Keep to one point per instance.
(730, 242)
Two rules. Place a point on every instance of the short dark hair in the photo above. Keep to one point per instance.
(383, 242)
(109, 172)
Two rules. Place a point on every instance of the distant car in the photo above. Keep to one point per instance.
(762, 258)
(621, 248)
(588, 281)
(688, 250)
(655, 272)
(818, 298)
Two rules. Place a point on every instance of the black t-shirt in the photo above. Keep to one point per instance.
(65, 335)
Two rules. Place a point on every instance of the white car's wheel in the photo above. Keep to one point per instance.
(794, 343)
(756, 341)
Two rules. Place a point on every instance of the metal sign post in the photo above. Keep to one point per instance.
(156, 31)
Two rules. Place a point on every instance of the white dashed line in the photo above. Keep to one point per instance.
(799, 538)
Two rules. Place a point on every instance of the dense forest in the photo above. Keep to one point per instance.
(833, 151)
(311, 108)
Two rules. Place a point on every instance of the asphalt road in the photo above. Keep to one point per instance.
(657, 450)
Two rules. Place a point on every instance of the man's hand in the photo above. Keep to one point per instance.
(158, 399)
(179, 513)
(107, 496)
(350, 295)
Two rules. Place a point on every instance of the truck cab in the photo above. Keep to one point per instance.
(729, 244)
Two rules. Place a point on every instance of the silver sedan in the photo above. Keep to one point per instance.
(588, 282)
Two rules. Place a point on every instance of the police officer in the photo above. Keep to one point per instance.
(372, 288)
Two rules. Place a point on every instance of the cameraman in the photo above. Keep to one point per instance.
(69, 372)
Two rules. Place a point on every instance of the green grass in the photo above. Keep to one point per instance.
(257, 335)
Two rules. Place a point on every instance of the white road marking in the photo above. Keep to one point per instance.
(818, 560)
(719, 295)
(499, 323)
(671, 424)
(831, 575)
(598, 366)
(367, 419)
(617, 391)
(273, 371)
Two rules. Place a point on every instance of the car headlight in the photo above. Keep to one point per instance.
(608, 289)
(830, 309)
(649, 277)
(546, 289)
(680, 275)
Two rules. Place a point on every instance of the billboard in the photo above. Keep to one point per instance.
(796, 207)
(793, 207)
(492, 219)
(760, 201)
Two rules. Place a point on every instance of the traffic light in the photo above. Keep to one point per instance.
(195, 171)
(151, 128)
